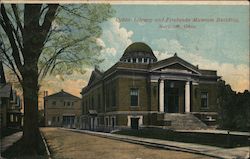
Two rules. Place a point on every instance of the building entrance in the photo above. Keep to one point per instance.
(172, 102)
(134, 123)
(69, 121)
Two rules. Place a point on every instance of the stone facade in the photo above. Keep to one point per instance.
(62, 110)
(139, 92)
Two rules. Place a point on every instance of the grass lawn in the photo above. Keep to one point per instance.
(8, 131)
(218, 140)
(72, 145)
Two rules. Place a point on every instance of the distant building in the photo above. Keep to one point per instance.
(140, 91)
(10, 104)
(62, 109)
(14, 115)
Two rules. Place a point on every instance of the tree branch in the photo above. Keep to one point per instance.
(19, 24)
(45, 68)
(71, 12)
(11, 65)
(48, 19)
(9, 31)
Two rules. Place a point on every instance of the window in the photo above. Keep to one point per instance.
(154, 91)
(145, 60)
(107, 100)
(83, 108)
(93, 103)
(204, 99)
(54, 102)
(140, 60)
(113, 122)
(89, 103)
(134, 60)
(72, 103)
(99, 101)
(58, 119)
(107, 121)
(113, 98)
(53, 119)
(129, 60)
(98, 121)
(68, 103)
(195, 92)
(11, 118)
(134, 92)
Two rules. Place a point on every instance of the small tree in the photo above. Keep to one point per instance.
(37, 39)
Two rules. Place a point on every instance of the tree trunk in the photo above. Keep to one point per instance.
(30, 94)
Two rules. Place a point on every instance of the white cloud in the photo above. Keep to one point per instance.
(236, 75)
(109, 51)
(100, 42)
(168, 46)
(162, 55)
(115, 39)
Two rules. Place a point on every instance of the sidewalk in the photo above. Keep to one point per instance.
(215, 152)
(218, 132)
(7, 141)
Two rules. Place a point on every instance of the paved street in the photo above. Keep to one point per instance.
(67, 144)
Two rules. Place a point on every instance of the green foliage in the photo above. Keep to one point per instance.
(71, 41)
(72, 45)
(234, 110)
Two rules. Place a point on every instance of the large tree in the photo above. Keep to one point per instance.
(37, 39)
(234, 110)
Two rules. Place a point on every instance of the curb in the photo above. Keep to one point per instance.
(139, 142)
(46, 146)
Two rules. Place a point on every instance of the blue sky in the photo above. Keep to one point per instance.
(223, 42)
(222, 46)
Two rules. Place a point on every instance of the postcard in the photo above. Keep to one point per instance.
(123, 79)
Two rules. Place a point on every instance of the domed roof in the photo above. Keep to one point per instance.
(138, 50)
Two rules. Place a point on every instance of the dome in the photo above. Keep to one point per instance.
(138, 52)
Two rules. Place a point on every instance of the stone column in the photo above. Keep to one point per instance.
(161, 96)
(187, 97)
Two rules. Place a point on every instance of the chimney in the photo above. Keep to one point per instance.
(45, 93)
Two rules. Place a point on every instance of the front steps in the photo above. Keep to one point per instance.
(176, 121)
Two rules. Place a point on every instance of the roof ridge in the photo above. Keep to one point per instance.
(62, 93)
